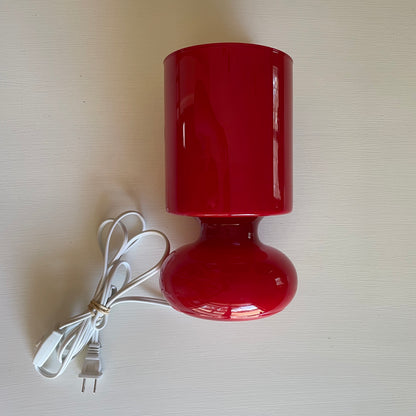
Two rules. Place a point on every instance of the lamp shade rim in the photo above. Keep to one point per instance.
(226, 44)
(190, 213)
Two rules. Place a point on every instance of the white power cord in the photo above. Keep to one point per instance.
(55, 352)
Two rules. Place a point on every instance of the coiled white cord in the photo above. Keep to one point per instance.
(56, 351)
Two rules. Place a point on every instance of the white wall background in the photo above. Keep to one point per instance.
(81, 133)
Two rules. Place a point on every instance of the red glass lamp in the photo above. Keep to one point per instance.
(228, 131)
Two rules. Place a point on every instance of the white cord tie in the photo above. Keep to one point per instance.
(95, 307)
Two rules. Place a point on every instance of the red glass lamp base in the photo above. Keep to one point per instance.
(228, 274)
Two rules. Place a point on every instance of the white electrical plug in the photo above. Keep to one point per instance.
(92, 365)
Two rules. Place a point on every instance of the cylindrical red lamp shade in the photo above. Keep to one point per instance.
(228, 129)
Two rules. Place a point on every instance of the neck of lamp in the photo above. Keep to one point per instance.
(234, 230)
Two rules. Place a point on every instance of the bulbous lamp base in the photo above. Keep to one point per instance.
(228, 274)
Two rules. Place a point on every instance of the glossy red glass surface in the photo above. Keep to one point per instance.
(228, 141)
(228, 274)
(228, 130)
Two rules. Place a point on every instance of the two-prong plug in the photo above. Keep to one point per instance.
(92, 365)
